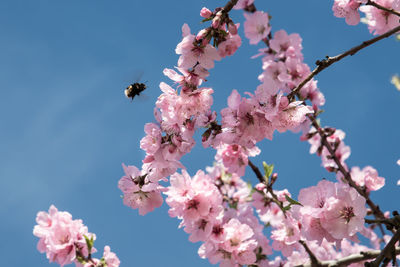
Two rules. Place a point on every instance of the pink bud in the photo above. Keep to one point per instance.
(205, 12)
(284, 102)
(232, 28)
(201, 34)
(216, 20)
(260, 187)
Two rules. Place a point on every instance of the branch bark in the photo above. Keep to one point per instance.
(325, 63)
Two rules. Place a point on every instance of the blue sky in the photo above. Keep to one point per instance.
(66, 126)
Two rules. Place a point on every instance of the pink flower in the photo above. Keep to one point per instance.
(235, 157)
(238, 242)
(287, 45)
(138, 192)
(256, 26)
(110, 258)
(286, 235)
(347, 9)
(380, 21)
(205, 12)
(229, 46)
(190, 53)
(60, 236)
(344, 213)
(152, 141)
(367, 177)
(241, 4)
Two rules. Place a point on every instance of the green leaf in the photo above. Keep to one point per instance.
(89, 242)
(292, 201)
(268, 169)
(207, 19)
(287, 208)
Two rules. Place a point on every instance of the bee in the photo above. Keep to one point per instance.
(134, 90)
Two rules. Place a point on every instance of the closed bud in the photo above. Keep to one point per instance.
(205, 12)
(232, 28)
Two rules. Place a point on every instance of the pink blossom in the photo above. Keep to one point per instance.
(229, 46)
(347, 9)
(256, 26)
(193, 199)
(235, 157)
(367, 177)
(110, 258)
(191, 53)
(344, 213)
(287, 45)
(275, 74)
(241, 4)
(205, 12)
(60, 236)
(152, 141)
(243, 123)
(138, 193)
(380, 21)
(286, 235)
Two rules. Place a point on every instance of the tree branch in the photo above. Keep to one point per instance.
(314, 260)
(359, 257)
(378, 6)
(228, 7)
(323, 64)
(387, 253)
(375, 208)
(260, 177)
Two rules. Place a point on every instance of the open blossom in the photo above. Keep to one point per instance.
(230, 45)
(287, 45)
(347, 9)
(235, 157)
(138, 193)
(152, 141)
(241, 4)
(367, 177)
(191, 52)
(61, 236)
(380, 21)
(256, 26)
(286, 235)
(344, 213)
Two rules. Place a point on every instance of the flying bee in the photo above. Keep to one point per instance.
(134, 90)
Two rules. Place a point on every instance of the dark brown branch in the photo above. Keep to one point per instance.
(346, 261)
(346, 174)
(387, 252)
(323, 64)
(262, 180)
(228, 7)
(257, 172)
(391, 10)
(314, 260)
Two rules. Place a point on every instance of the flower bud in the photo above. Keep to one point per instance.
(205, 12)
(232, 28)
(201, 34)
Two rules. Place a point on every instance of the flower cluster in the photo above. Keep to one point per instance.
(179, 112)
(213, 210)
(379, 21)
(67, 241)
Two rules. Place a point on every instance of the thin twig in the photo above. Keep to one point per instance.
(390, 10)
(229, 6)
(375, 208)
(314, 260)
(387, 251)
(323, 64)
(260, 177)
(354, 258)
